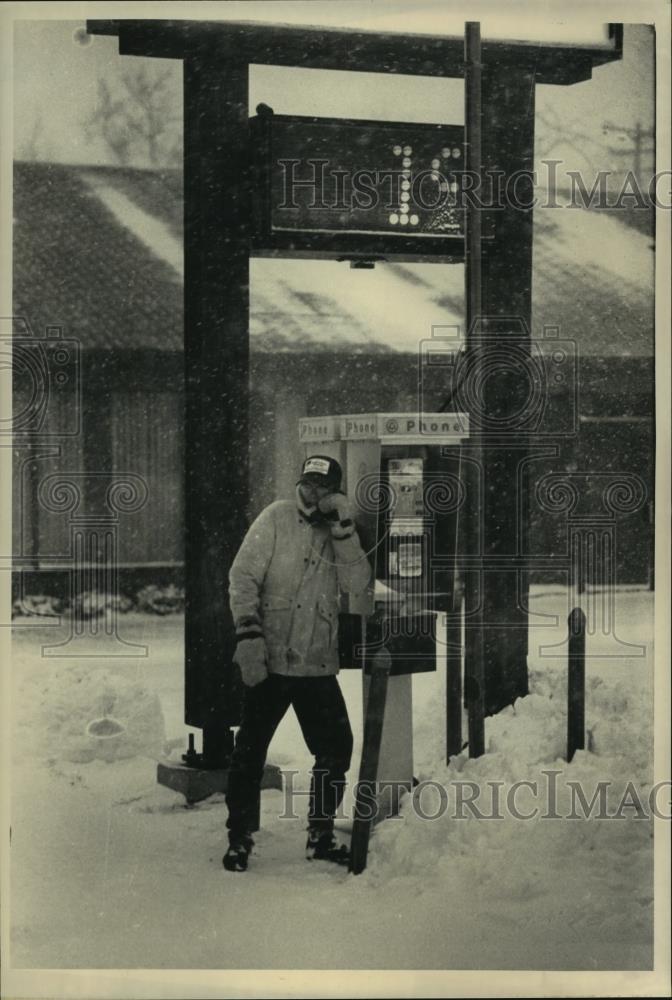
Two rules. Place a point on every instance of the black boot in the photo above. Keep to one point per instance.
(321, 846)
(240, 846)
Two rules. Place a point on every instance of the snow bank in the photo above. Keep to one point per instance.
(567, 870)
(80, 714)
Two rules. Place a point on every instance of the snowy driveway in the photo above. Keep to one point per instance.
(110, 870)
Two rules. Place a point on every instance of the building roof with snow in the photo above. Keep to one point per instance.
(98, 252)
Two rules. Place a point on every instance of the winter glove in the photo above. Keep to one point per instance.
(251, 657)
(337, 510)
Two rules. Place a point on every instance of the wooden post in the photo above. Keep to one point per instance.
(475, 652)
(576, 682)
(453, 644)
(453, 697)
(452, 638)
(507, 400)
(365, 803)
(216, 263)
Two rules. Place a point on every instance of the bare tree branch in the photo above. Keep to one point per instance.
(32, 146)
(139, 122)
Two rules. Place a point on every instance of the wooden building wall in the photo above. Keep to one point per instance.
(148, 439)
(133, 414)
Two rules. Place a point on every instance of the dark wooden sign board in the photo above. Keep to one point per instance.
(336, 188)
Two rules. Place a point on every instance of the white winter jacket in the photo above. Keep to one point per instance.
(287, 575)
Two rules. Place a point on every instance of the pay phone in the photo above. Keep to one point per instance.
(402, 472)
(406, 527)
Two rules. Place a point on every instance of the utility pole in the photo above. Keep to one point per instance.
(643, 142)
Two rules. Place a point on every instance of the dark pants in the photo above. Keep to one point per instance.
(323, 718)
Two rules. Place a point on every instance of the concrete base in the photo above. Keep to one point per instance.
(197, 784)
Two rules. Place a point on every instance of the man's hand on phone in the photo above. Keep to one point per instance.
(338, 512)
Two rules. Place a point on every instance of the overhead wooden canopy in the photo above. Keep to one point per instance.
(346, 49)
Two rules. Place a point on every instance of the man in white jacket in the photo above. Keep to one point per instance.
(284, 593)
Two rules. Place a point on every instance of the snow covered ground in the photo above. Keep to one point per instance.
(110, 870)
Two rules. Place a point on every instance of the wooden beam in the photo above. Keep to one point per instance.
(345, 49)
